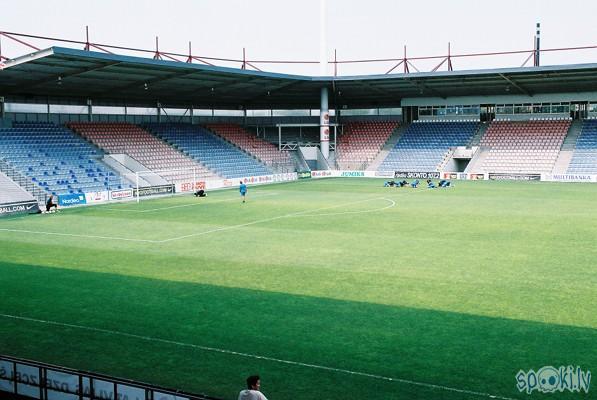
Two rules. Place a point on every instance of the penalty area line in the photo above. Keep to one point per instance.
(258, 195)
(256, 357)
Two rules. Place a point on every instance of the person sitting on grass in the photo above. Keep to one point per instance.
(430, 184)
(389, 183)
(414, 184)
(252, 392)
(50, 203)
(402, 184)
(200, 193)
(444, 183)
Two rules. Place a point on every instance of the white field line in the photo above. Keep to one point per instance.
(258, 357)
(225, 228)
(79, 235)
(185, 205)
(260, 221)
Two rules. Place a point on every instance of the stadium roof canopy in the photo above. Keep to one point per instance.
(78, 74)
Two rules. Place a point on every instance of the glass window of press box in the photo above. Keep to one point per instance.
(532, 108)
(451, 111)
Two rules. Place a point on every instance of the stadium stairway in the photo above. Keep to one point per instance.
(24, 182)
(567, 149)
(584, 158)
(142, 146)
(388, 146)
(424, 145)
(11, 192)
(209, 149)
(54, 159)
(476, 140)
(266, 152)
(360, 143)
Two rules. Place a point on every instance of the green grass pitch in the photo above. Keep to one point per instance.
(340, 284)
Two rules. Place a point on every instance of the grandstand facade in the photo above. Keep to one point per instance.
(76, 122)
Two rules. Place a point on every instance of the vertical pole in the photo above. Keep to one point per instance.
(2, 112)
(405, 62)
(244, 66)
(335, 62)
(137, 180)
(87, 37)
(194, 179)
(90, 110)
(279, 137)
(190, 59)
(48, 109)
(449, 58)
(159, 107)
(335, 132)
(538, 46)
(157, 56)
(191, 113)
(324, 123)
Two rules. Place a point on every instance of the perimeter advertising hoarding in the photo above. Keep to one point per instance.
(185, 187)
(416, 175)
(154, 190)
(515, 177)
(22, 207)
(569, 178)
(66, 200)
(121, 194)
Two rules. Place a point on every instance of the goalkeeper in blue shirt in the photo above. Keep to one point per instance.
(243, 191)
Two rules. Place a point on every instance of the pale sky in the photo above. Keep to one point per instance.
(290, 30)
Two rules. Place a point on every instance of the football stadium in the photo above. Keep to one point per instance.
(178, 226)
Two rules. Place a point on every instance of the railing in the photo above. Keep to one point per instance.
(24, 379)
(23, 181)
(405, 62)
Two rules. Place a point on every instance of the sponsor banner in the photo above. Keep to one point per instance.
(515, 177)
(66, 200)
(121, 194)
(63, 382)
(384, 174)
(416, 175)
(96, 197)
(304, 175)
(323, 174)
(22, 207)
(449, 175)
(184, 187)
(250, 180)
(454, 175)
(568, 178)
(154, 190)
(352, 174)
(476, 177)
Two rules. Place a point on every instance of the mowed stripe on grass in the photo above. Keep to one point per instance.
(469, 276)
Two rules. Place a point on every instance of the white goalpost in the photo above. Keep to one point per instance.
(150, 183)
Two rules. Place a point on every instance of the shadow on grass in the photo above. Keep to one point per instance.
(449, 349)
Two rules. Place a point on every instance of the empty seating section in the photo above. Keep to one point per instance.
(423, 145)
(153, 153)
(584, 158)
(265, 151)
(55, 159)
(217, 154)
(526, 147)
(361, 142)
